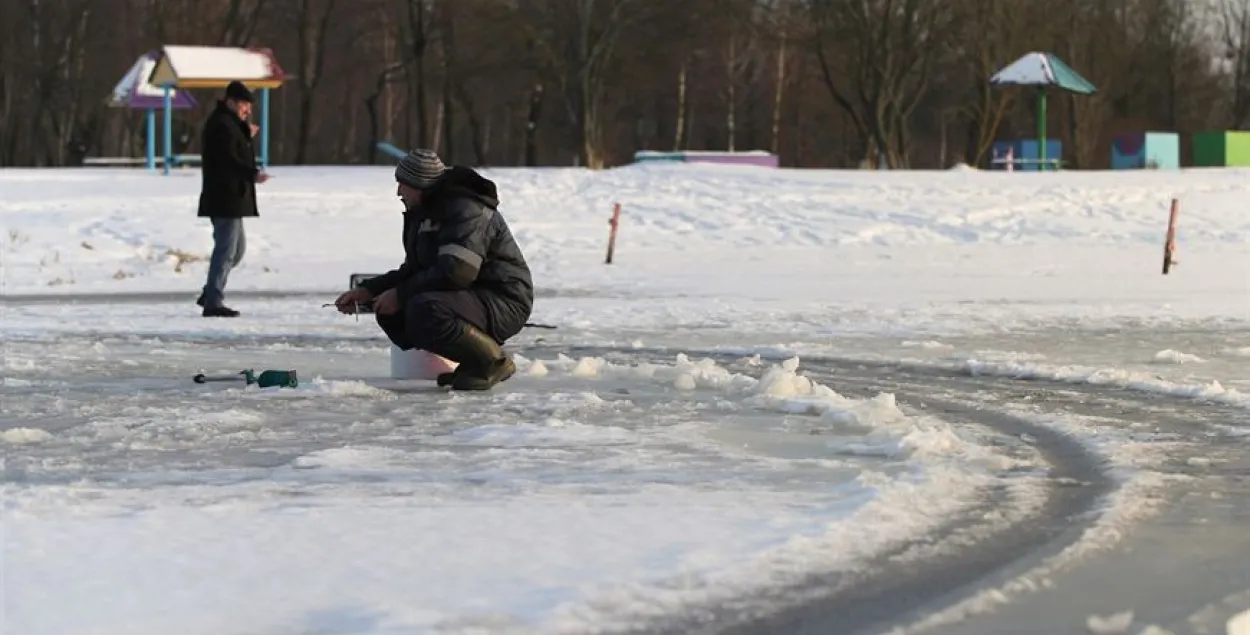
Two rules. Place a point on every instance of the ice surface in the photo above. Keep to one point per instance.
(588, 491)
(1106, 625)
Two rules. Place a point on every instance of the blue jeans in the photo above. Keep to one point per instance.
(228, 248)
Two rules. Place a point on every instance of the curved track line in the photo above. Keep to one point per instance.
(969, 558)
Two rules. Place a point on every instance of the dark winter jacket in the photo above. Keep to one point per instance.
(457, 239)
(229, 166)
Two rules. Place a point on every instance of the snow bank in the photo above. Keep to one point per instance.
(125, 230)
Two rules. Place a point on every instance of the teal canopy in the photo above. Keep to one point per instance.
(1042, 70)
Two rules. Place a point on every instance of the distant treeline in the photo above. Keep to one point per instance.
(822, 83)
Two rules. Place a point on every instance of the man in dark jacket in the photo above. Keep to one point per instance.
(464, 288)
(228, 190)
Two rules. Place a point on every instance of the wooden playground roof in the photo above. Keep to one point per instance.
(216, 67)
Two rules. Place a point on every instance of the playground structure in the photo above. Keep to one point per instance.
(1224, 148)
(1131, 149)
(1043, 71)
(135, 93)
(1026, 155)
(1142, 150)
(162, 78)
(755, 157)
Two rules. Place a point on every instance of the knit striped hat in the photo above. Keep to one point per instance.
(420, 169)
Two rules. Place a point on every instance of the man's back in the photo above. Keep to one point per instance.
(228, 191)
(228, 168)
(457, 238)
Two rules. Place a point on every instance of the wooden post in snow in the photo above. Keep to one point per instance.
(1169, 245)
(614, 222)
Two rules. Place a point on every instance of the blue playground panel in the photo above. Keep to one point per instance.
(659, 157)
(1026, 154)
(1142, 150)
(1030, 150)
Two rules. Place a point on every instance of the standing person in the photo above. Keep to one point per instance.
(464, 287)
(228, 190)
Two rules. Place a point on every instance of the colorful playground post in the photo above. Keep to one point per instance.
(188, 67)
(134, 92)
(1042, 70)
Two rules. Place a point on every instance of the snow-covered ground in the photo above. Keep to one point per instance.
(586, 492)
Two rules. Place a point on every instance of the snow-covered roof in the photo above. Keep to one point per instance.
(134, 91)
(1043, 69)
(216, 66)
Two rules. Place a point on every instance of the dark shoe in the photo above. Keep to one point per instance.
(220, 311)
(482, 363)
(447, 379)
(200, 300)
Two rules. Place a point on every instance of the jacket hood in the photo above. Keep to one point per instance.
(461, 181)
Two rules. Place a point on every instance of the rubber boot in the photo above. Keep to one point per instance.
(447, 379)
(482, 363)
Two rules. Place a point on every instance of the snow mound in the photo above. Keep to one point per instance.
(1170, 356)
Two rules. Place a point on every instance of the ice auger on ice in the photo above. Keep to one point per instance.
(266, 378)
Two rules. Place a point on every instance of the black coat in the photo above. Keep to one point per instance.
(457, 239)
(229, 166)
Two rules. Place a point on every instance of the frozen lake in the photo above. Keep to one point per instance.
(926, 400)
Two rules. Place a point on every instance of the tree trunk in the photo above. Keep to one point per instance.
(449, 69)
(531, 125)
(479, 136)
(591, 147)
(312, 46)
(437, 140)
(679, 132)
(380, 84)
(778, 93)
(731, 97)
(417, 88)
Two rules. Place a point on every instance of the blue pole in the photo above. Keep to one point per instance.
(151, 117)
(169, 127)
(264, 128)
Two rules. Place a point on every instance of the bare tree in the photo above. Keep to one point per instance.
(1234, 19)
(240, 22)
(556, 82)
(418, 37)
(312, 27)
(985, 37)
(875, 60)
(779, 23)
(577, 40)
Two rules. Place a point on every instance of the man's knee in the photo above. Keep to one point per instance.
(436, 317)
(393, 326)
(428, 314)
(511, 318)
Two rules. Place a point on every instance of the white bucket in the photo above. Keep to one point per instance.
(418, 364)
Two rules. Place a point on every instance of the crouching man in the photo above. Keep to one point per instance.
(464, 287)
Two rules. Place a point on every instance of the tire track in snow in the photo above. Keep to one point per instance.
(973, 566)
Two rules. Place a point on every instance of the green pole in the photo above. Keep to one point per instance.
(1041, 127)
